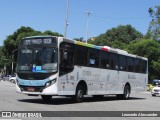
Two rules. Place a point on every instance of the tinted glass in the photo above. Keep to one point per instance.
(144, 66)
(113, 61)
(130, 65)
(42, 60)
(93, 58)
(104, 59)
(122, 63)
(81, 55)
(137, 65)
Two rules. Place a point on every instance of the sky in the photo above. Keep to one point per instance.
(45, 15)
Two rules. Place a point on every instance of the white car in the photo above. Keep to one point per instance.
(156, 91)
(12, 79)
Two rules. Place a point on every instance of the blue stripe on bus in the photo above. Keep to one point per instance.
(97, 47)
(32, 82)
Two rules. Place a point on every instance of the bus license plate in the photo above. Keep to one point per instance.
(30, 89)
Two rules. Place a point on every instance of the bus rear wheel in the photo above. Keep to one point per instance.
(126, 93)
(78, 98)
(46, 98)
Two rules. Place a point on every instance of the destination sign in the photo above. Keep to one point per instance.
(39, 41)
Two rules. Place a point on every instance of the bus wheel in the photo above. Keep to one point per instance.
(79, 94)
(126, 93)
(46, 98)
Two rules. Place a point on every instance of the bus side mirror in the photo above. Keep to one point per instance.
(14, 54)
(65, 55)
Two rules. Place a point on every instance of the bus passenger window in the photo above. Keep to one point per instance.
(137, 65)
(143, 66)
(130, 64)
(81, 55)
(93, 58)
(113, 61)
(104, 59)
(122, 63)
(66, 58)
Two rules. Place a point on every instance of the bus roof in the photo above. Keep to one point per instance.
(38, 37)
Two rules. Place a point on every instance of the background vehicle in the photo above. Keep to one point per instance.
(153, 84)
(156, 90)
(12, 79)
(150, 87)
(5, 77)
(49, 66)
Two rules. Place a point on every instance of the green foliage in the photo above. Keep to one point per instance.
(155, 65)
(79, 39)
(2, 58)
(48, 32)
(118, 37)
(154, 27)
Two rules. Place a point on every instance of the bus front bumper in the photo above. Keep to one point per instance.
(32, 90)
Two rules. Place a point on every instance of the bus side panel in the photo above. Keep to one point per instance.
(141, 82)
(123, 79)
(69, 81)
(113, 82)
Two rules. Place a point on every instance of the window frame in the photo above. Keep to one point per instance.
(95, 54)
(122, 64)
(115, 64)
(105, 56)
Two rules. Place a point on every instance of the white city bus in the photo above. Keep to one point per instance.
(55, 66)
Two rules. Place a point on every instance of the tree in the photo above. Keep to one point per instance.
(118, 37)
(154, 27)
(48, 32)
(79, 39)
(2, 58)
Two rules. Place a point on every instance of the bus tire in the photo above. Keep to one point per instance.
(126, 93)
(78, 97)
(46, 98)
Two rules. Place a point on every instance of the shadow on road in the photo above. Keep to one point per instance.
(68, 100)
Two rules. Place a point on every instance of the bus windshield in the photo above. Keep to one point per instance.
(40, 59)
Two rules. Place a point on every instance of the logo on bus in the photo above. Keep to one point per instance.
(87, 73)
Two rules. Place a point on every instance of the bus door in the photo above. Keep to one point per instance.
(66, 67)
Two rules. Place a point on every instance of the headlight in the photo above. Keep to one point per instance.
(51, 82)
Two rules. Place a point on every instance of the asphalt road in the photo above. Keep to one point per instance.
(12, 101)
